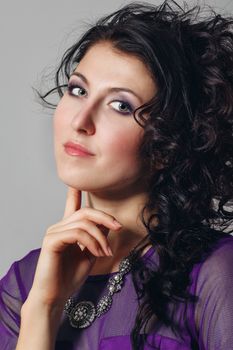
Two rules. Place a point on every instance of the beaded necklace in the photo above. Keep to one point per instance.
(83, 313)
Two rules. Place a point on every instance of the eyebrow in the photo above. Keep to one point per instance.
(113, 89)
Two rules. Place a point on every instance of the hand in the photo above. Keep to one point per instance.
(63, 265)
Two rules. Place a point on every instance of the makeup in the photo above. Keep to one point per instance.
(74, 149)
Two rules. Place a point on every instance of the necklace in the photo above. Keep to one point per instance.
(83, 313)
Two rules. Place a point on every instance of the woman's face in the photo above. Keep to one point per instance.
(96, 112)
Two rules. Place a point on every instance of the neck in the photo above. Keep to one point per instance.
(127, 211)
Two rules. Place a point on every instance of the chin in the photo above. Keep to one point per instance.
(76, 181)
(86, 180)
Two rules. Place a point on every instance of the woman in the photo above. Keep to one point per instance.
(144, 129)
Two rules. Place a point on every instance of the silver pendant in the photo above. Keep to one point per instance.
(82, 315)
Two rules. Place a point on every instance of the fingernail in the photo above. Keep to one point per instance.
(116, 223)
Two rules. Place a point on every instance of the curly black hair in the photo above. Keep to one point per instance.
(187, 147)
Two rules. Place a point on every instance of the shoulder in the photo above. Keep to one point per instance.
(219, 262)
(216, 267)
(213, 314)
(14, 289)
(20, 275)
(214, 279)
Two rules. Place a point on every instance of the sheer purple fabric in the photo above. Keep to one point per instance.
(209, 323)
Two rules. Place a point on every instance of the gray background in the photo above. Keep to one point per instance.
(33, 36)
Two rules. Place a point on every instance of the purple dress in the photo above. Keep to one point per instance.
(209, 323)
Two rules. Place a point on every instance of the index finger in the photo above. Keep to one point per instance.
(73, 201)
(88, 200)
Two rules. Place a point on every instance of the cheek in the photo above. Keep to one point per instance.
(123, 145)
(58, 126)
(61, 120)
(59, 129)
(57, 118)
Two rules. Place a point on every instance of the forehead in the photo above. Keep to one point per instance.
(105, 64)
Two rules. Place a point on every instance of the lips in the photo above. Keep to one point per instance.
(76, 149)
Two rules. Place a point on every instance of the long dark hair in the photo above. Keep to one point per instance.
(187, 147)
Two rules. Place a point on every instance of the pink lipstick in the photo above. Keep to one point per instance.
(74, 149)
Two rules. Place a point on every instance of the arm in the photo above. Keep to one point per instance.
(214, 310)
(69, 250)
(33, 325)
(39, 326)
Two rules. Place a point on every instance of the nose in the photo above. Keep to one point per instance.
(83, 120)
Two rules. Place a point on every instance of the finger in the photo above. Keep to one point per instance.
(59, 241)
(82, 247)
(73, 201)
(97, 216)
(102, 220)
(88, 200)
(89, 227)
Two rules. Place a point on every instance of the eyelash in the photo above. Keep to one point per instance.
(72, 86)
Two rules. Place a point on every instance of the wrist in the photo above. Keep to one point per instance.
(36, 307)
(42, 322)
(48, 304)
(34, 312)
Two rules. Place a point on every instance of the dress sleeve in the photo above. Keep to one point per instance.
(14, 288)
(214, 310)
